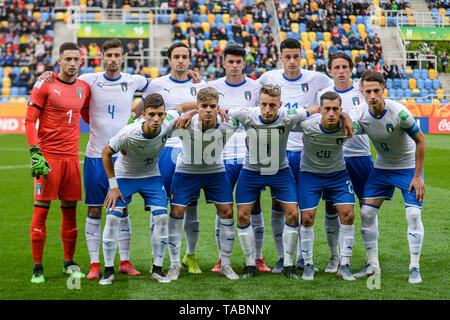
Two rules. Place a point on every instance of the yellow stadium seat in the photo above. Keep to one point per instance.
(382, 20)
(352, 19)
(205, 26)
(258, 26)
(211, 17)
(249, 18)
(441, 10)
(207, 43)
(361, 28)
(295, 27)
(323, 43)
(154, 72)
(346, 27)
(283, 35)
(311, 61)
(363, 52)
(183, 26)
(386, 93)
(185, 41)
(303, 63)
(150, 17)
(172, 17)
(416, 91)
(314, 17)
(304, 36)
(412, 83)
(223, 44)
(203, 9)
(5, 91)
(67, 16)
(244, 34)
(21, 100)
(354, 54)
(29, 6)
(309, 54)
(85, 2)
(98, 17)
(59, 16)
(363, 36)
(435, 101)
(126, 6)
(327, 36)
(407, 71)
(37, 15)
(411, 100)
(98, 69)
(146, 70)
(312, 36)
(440, 93)
(432, 74)
(306, 45)
(226, 18)
(7, 70)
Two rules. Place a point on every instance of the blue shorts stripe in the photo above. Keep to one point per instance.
(116, 213)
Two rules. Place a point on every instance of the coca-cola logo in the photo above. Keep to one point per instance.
(444, 125)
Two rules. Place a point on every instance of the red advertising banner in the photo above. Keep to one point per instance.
(439, 125)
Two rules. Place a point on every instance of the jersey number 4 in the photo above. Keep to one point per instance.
(111, 108)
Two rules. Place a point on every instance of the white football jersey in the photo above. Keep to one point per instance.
(322, 150)
(174, 93)
(231, 96)
(352, 98)
(297, 93)
(140, 153)
(202, 150)
(109, 106)
(390, 134)
(267, 142)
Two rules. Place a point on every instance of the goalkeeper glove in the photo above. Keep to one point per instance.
(39, 166)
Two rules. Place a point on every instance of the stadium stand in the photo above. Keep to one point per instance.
(26, 41)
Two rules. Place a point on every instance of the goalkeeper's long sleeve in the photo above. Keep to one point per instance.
(31, 118)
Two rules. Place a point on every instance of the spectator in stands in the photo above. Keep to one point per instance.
(332, 49)
(345, 43)
(394, 71)
(360, 68)
(335, 37)
(386, 72)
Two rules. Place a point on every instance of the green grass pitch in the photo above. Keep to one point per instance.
(16, 203)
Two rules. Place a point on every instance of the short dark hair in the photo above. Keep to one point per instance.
(235, 50)
(340, 55)
(330, 95)
(177, 45)
(290, 44)
(68, 46)
(154, 100)
(372, 76)
(112, 43)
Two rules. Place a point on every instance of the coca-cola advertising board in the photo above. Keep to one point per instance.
(440, 125)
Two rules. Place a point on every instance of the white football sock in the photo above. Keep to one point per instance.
(415, 234)
(332, 229)
(307, 236)
(175, 238)
(226, 236)
(369, 232)
(191, 228)
(346, 241)
(124, 238)
(217, 232)
(93, 232)
(257, 222)
(277, 223)
(290, 236)
(160, 237)
(110, 239)
(247, 241)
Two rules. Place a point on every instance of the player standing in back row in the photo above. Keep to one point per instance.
(54, 155)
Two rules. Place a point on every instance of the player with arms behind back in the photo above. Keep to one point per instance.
(54, 146)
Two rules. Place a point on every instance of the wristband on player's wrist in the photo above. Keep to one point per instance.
(113, 183)
(35, 149)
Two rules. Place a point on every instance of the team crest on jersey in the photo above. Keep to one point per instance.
(39, 189)
(124, 86)
(247, 95)
(390, 127)
(305, 87)
(339, 140)
(355, 101)
(193, 91)
(80, 93)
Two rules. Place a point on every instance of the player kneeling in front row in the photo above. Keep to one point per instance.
(322, 169)
(137, 172)
(267, 128)
(200, 166)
